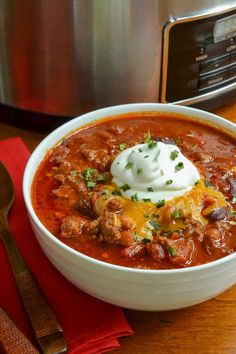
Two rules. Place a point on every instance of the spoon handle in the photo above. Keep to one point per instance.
(48, 332)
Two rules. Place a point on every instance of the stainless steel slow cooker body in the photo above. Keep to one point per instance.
(69, 56)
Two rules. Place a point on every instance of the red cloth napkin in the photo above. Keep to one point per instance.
(90, 325)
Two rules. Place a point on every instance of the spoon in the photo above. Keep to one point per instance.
(48, 332)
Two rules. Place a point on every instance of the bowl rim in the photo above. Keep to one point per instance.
(107, 112)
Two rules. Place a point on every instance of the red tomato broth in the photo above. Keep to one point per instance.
(193, 138)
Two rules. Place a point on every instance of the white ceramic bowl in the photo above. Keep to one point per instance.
(127, 287)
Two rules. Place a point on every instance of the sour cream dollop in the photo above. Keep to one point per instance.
(155, 172)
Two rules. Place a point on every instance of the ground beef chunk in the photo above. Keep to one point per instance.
(117, 130)
(74, 189)
(84, 205)
(114, 204)
(65, 197)
(110, 227)
(83, 202)
(180, 251)
(214, 241)
(155, 251)
(105, 134)
(71, 226)
(78, 184)
(193, 229)
(93, 227)
(101, 158)
(59, 154)
(59, 177)
(64, 191)
(111, 223)
(62, 171)
(137, 249)
(203, 157)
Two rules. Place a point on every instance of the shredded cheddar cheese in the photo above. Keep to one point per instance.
(190, 204)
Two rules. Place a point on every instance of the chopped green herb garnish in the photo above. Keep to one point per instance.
(154, 224)
(232, 212)
(116, 192)
(146, 215)
(100, 178)
(148, 140)
(170, 181)
(150, 189)
(73, 172)
(179, 166)
(175, 214)
(156, 216)
(139, 171)
(129, 165)
(207, 182)
(105, 192)
(160, 203)
(136, 237)
(165, 234)
(178, 140)
(234, 200)
(125, 187)
(122, 147)
(146, 156)
(147, 137)
(152, 144)
(171, 250)
(91, 184)
(134, 197)
(140, 150)
(148, 232)
(88, 173)
(147, 200)
(174, 154)
(146, 240)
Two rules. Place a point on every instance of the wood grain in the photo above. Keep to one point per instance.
(208, 328)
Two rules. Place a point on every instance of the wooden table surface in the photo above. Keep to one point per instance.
(208, 328)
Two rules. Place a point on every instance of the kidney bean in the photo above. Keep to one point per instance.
(233, 187)
(217, 214)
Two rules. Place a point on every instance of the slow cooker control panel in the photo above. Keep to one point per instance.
(200, 57)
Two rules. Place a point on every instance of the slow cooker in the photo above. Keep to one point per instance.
(70, 56)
